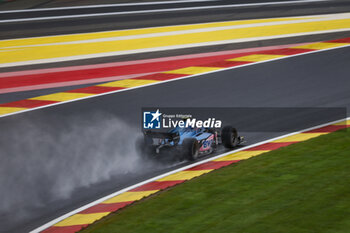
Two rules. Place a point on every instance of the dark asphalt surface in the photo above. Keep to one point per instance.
(117, 22)
(66, 148)
(102, 9)
(57, 159)
(37, 4)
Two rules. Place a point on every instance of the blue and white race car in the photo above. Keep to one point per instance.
(188, 143)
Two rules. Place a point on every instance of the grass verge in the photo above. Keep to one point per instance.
(300, 188)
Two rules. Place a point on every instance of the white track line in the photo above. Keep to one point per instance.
(157, 49)
(172, 80)
(174, 26)
(191, 31)
(104, 6)
(158, 11)
(52, 222)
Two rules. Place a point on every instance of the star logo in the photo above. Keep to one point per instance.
(156, 115)
(151, 119)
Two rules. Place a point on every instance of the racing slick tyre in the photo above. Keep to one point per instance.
(229, 137)
(190, 148)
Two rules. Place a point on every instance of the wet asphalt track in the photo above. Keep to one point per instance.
(314, 80)
(140, 20)
(47, 156)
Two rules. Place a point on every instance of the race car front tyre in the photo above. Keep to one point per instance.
(190, 148)
(229, 137)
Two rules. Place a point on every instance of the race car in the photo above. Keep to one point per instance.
(188, 143)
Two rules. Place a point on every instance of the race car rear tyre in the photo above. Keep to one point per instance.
(229, 137)
(190, 148)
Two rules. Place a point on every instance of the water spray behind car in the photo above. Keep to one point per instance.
(54, 157)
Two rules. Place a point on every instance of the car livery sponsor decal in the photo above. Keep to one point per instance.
(207, 143)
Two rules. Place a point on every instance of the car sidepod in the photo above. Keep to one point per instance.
(206, 141)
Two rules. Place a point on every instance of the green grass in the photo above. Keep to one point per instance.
(303, 188)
